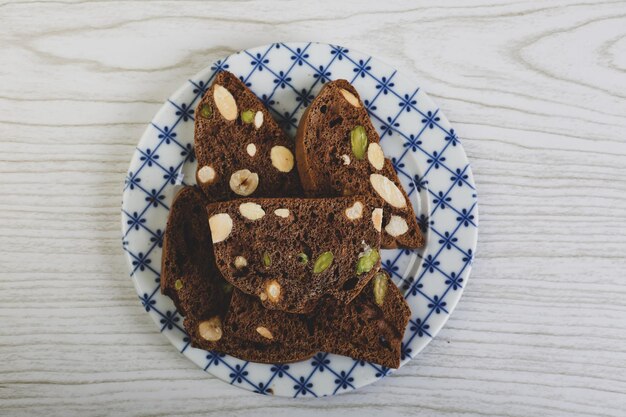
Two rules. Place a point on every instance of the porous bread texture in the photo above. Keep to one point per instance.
(190, 278)
(292, 261)
(241, 150)
(363, 329)
(330, 131)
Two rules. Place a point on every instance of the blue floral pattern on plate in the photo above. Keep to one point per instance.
(415, 134)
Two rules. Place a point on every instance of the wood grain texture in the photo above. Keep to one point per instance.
(537, 92)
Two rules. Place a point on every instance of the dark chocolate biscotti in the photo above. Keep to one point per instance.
(247, 319)
(190, 278)
(290, 253)
(241, 150)
(185, 270)
(369, 328)
(338, 153)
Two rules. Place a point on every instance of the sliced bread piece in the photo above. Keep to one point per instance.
(247, 319)
(370, 328)
(187, 241)
(292, 252)
(338, 153)
(241, 150)
(190, 278)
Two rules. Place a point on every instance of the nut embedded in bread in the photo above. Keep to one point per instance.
(241, 150)
(338, 153)
(337, 235)
(190, 278)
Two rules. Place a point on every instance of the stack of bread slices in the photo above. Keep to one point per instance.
(275, 254)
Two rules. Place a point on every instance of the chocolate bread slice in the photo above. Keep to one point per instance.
(292, 252)
(241, 150)
(242, 327)
(190, 278)
(274, 352)
(370, 328)
(187, 267)
(249, 320)
(338, 153)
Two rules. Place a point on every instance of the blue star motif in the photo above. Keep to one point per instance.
(418, 183)
(459, 177)
(454, 281)
(447, 240)
(154, 198)
(169, 320)
(436, 159)
(184, 111)
(322, 74)
(407, 102)
(361, 68)
(219, 66)
(171, 175)
(259, 61)
(383, 371)
(148, 156)
(141, 261)
(423, 222)
(370, 106)
(405, 352)
(430, 263)
(302, 386)
(344, 380)
(390, 267)
(280, 369)
(282, 80)
(397, 164)
(299, 56)
(267, 100)
(430, 119)
(441, 200)
(167, 134)
(339, 51)
(262, 389)
(135, 221)
(419, 327)
(288, 120)
(246, 83)
(147, 302)
(200, 87)
(238, 374)
(465, 218)
(386, 128)
(437, 304)
(412, 142)
(320, 361)
(412, 286)
(385, 85)
(213, 358)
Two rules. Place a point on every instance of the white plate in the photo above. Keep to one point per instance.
(424, 148)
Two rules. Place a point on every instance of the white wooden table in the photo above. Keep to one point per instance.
(537, 92)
